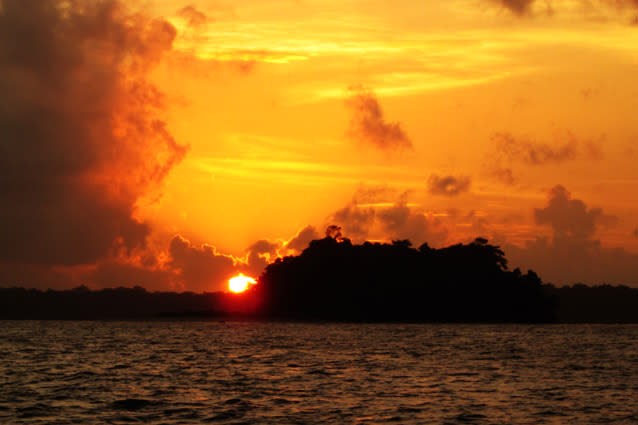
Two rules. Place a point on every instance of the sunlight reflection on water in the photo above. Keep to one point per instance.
(212, 372)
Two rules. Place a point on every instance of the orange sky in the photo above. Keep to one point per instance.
(270, 151)
(437, 121)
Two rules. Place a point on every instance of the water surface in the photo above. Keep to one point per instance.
(262, 373)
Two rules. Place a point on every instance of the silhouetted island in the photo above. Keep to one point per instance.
(336, 280)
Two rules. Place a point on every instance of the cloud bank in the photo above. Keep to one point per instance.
(572, 254)
(83, 136)
(201, 268)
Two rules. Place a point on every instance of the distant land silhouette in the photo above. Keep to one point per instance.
(336, 280)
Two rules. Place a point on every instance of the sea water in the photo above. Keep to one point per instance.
(289, 373)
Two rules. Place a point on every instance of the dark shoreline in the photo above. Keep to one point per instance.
(309, 322)
(577, 304)
(230, 318)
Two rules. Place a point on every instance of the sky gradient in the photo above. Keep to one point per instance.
(172, 145)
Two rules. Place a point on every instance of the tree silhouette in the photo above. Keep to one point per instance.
(334, 279)
(334, 232)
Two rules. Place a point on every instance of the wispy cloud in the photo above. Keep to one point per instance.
(368, 123)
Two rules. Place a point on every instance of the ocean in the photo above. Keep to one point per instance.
(184, 372)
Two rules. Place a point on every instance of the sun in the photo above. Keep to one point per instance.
(240, 283)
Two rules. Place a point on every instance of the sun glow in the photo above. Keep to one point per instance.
(240, 283)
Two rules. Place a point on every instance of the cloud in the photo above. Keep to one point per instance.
(525, 7)
(264, 252)
(370, 194)
(177, 265)
(356, 221)
(570, 218)
(201, 268)
(182, 266)
(368, 125)
(518, 7)
(301, 240)
(260, 254)
(83, 138)
(572, 254)
(398, 220)
(194, 17)
(635, 233)
(448, 185)
(534, 153)
(402, 222)
(510, 149)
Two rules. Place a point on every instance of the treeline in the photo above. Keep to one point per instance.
(334, 279)
(594, 304)
(117, 303)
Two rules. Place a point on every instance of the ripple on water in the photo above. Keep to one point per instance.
(273, 373)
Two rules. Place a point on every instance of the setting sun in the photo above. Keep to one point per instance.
(240, 283)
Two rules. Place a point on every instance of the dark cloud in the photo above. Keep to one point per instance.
(83, 139)
(200, 268)
(635, 233)
(402, 222)
(368, 125)
(448, 185)
(518, 7)
(260, 254)
(188, 267)
(301, 240)
(264, 252)
(355, 220)
(569, 217)
(572, 254)
(194, 17)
